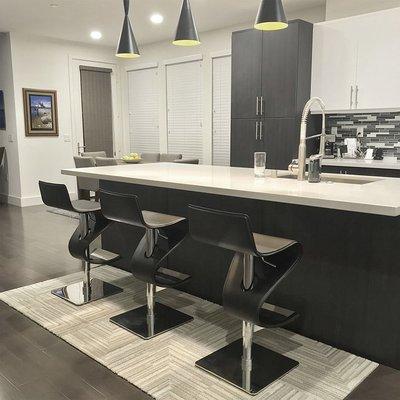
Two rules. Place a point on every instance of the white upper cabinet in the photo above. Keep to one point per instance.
(356, 61)
(334, 64)
(378, 67)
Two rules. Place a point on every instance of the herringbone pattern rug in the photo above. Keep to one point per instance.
(164, 366)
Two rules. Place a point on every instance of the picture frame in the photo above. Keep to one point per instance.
(2, 112)
(41, 114)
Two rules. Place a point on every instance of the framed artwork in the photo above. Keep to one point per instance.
(2, 112)
(40, 108)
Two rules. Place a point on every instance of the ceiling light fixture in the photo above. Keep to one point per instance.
(271, 16)
(186, 32)
(96, 35)
(156, 18)
(53, 5)
(127, 46)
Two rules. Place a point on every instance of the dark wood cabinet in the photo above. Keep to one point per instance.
(246, 73)
(279, 72)
(245, 141)
(278, 143)
(271, 82)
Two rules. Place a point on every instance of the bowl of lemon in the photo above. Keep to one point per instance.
(132, 158)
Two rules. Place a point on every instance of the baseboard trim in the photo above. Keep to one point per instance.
(28, 201)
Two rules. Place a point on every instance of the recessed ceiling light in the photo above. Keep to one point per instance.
(96, 35)
(53, 5)
(156, 18)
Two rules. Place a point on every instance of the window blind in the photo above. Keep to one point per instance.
(144, 136)
(184, 108)
(221, 138)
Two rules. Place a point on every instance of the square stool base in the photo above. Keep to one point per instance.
(81, 293)
(165, 319)
(267, 366)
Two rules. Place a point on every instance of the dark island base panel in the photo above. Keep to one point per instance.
(346, 288)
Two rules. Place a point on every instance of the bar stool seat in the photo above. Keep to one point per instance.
(260, 263)
(85, 206)
(269, 244)
(149, 263)
(155, 220)
(92, 224)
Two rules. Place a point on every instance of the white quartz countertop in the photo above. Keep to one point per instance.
(360, 163)
(379, 196)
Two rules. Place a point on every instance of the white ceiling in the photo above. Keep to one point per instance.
(75, 19)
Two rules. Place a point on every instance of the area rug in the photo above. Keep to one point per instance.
(164, 366)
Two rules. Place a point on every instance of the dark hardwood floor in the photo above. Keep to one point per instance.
(37, 365)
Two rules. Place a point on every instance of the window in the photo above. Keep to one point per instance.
(184, 108)
(221, 123)
(144, 136)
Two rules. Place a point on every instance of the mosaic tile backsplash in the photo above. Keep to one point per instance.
(376, 130)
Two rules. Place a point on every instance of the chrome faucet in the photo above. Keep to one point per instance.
(299, 166)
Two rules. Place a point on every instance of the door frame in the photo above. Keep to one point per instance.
(76, 102)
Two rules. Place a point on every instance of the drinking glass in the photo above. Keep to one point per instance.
(260, 160)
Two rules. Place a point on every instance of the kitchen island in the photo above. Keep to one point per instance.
(346, 287)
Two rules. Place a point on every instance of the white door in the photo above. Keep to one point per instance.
(144, 136)
(335, 63)
(184, 107)
(378, 76)
(221, 140)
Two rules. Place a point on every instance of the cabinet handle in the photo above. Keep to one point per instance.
(257, 130)
(262, 105)
(351, 97)
(257, 105)
(356, 96)
(261, 130)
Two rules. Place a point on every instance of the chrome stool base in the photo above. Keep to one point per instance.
(138, 322)
(81, 293)
(267, 366)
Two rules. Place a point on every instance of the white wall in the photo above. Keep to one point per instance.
(41, 63)
(346, 8)
(10, 188)
(213, 43)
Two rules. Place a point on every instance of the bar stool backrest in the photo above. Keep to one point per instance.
(124, 208)
(55, 195)
(224, 229)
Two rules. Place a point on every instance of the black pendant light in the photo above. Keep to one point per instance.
(271, 16)
(127, 46)
(186, 32)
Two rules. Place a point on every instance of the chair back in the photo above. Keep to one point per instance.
(86, 183)
(94, 154)
(231, 231)
(55, 195)
(188, 161)
(105, 161)
(124, 208)
(150, 157)
(84, 162)
(170, 157)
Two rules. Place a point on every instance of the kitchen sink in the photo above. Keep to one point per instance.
(335, 179)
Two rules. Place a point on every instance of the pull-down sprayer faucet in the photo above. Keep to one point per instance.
(299, 166)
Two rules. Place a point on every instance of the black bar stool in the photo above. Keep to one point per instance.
(92, 224)
(260, 263)
(163, 233)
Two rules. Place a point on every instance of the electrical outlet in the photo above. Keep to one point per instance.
(10, 138)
